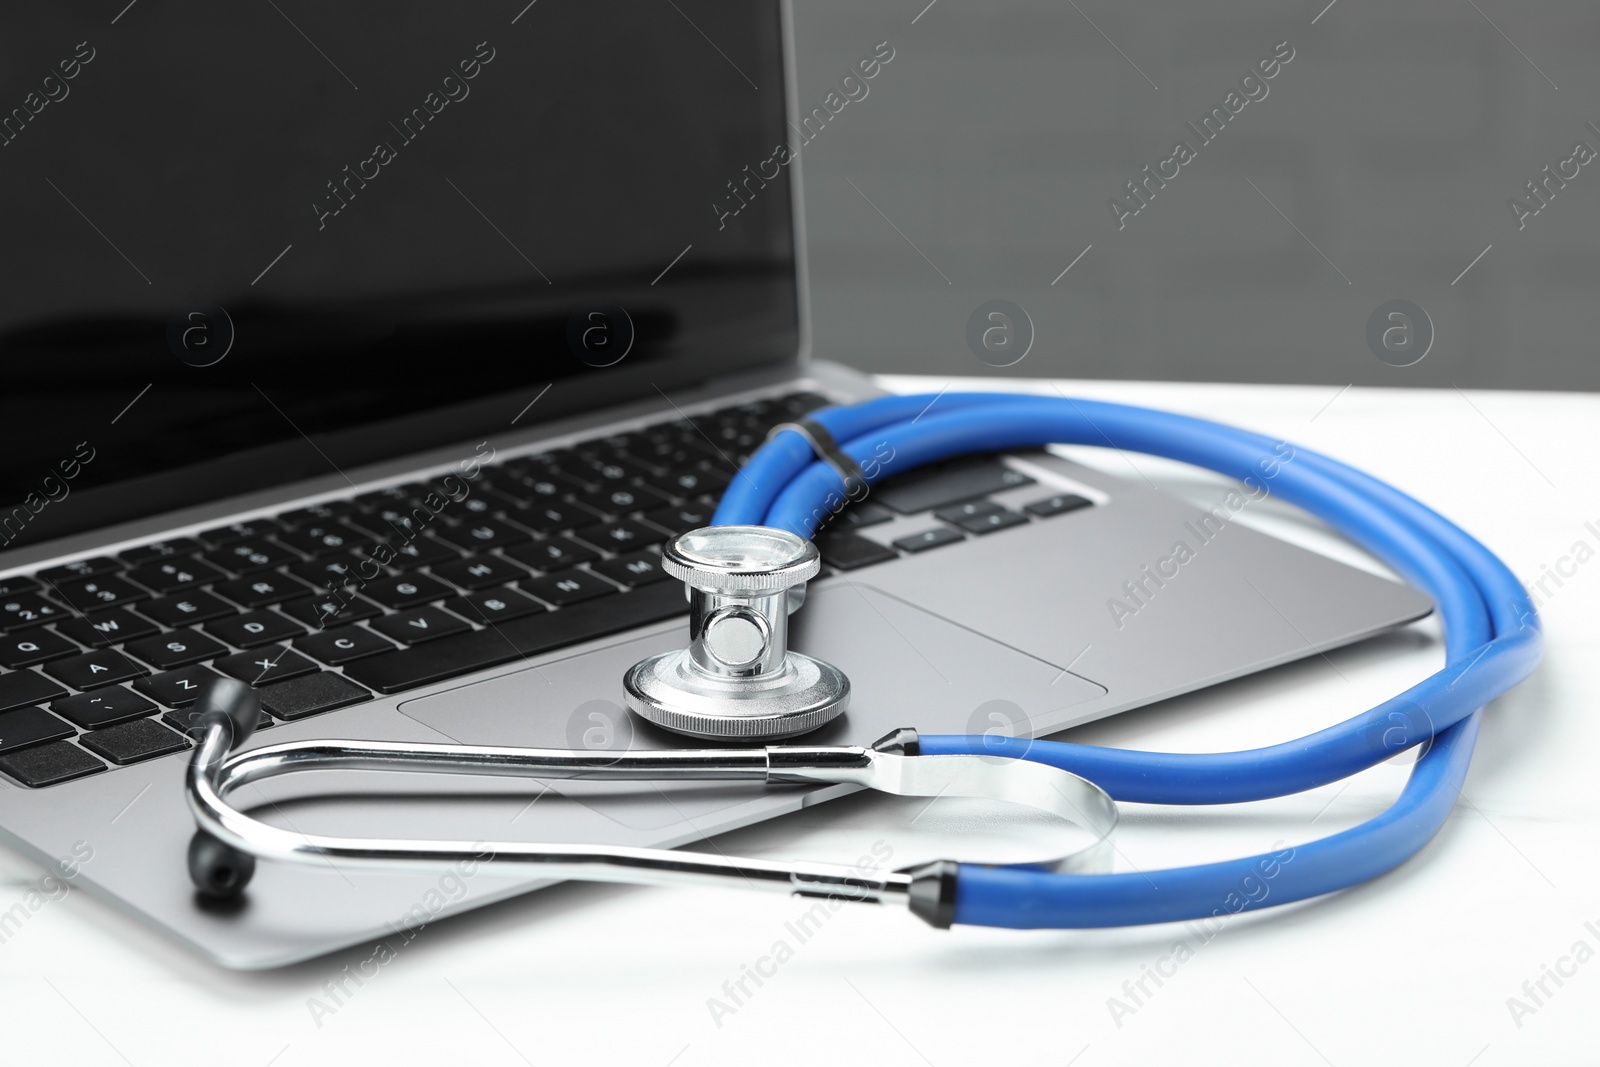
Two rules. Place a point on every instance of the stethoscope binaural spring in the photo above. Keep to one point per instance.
(222, 854)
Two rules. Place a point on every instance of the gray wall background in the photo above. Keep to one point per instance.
(981, 162)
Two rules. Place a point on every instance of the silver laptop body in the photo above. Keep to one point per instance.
(1069, 608)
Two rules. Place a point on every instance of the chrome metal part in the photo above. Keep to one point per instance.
(737, 680)
(927, 890)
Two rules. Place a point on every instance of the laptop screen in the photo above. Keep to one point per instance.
(247, 244)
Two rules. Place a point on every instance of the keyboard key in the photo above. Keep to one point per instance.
(30, 726)
(848, 551)
(947, 483)
(90, 670)
(602, 447)
(342, 644)
(635, 569)
(18, 583)
(548, 518)
(733, 440)
(254, 628)
(158, 550)
(479, 572)
(419, 552)
(620, 500)
(492, 606)
(218, 536)
(43, 765)
(557, 553)
(415, 491)
(320, 611)
(1059, 504)
(486, 503)
(246, 557)
(262, 590)
(271, 664)
(311, 694)
(176, 689)
(79, 568)
(319, 572)
(972, 509)
(26, 687)
(567, 587)
(109, 627)
(174, 575)
(28, 609)
(172, 649)
(479, 534)
(543, 485)
(185, 721)
(866, 513)
(103, 707)
(681, 519)
(34, 646)
(104, 590)
(419, 624)
(406, 590)
(183, 610)
(614, 471)
(324, 539)
(327, 511)
(919, 542)
(992, 521)
(480, 503)
(133, 741)
(394, 672)
(668, 453)
(691, 483)
(388, 523)
(623, 535)
(175, 648)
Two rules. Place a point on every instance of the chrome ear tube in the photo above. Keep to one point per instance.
(224, 853)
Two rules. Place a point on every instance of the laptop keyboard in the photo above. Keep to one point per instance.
(102, 656)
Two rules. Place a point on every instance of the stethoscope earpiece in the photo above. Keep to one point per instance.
(232, 708)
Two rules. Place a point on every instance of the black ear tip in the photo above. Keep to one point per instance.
(237, 701)
(219, 871)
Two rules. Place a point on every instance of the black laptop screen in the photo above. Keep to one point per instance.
(246, 243)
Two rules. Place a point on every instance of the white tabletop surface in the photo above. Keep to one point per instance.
(1419, 967)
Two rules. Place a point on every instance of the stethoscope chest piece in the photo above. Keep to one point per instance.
(737, 680)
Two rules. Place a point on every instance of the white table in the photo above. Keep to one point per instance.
(1415, 968)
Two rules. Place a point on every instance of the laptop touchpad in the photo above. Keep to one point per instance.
(907, 667)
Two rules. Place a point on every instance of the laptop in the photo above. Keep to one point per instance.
(371, 359)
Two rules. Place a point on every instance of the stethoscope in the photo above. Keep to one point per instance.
(738, 681)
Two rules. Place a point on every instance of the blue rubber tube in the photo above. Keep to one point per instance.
(1492, 642)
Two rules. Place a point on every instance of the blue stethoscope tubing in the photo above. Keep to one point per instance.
(1492, 642)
